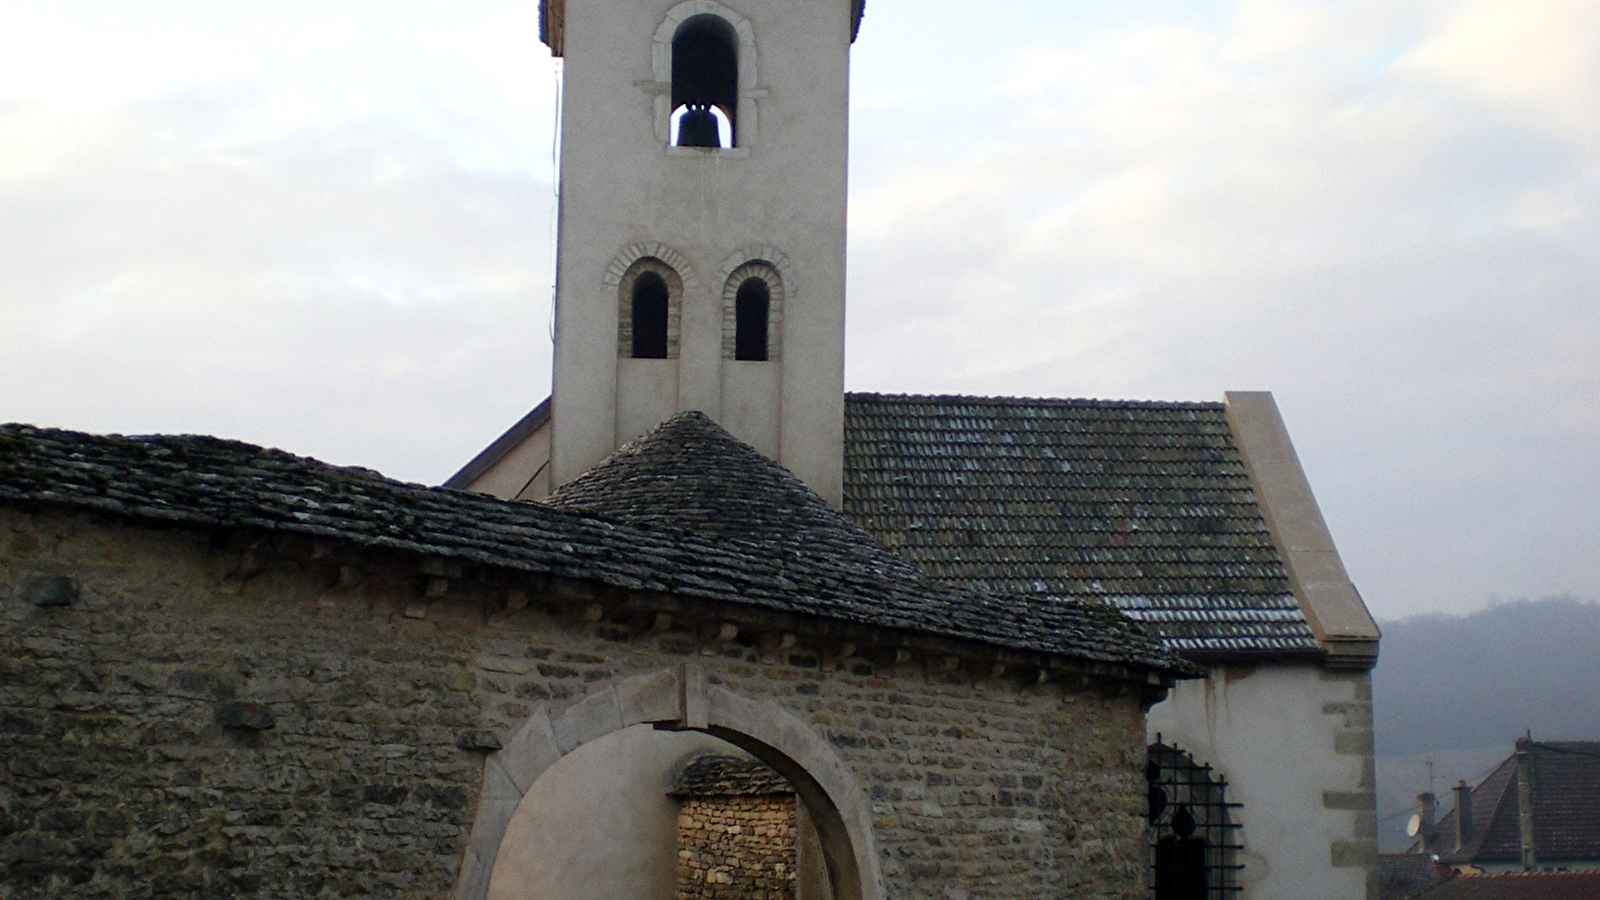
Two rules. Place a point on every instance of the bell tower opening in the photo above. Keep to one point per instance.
(704, 141)
(651, 312)
(705, 83)
(750, 320)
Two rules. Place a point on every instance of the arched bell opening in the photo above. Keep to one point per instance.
(705, 83)
(650, 303)
(752, 304)
(752, 312)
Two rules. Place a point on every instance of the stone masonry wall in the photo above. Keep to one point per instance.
(132, 727)
(737, 848)
(137, 763)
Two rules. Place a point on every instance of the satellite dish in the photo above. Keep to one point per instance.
(1414, 825)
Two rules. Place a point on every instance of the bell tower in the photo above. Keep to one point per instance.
(701, 242)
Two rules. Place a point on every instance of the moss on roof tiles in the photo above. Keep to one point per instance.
(829, 569)
(1121, 502)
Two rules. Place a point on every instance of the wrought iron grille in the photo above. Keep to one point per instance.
(1194, 839)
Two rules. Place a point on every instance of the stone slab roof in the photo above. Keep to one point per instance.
(203, 482)
(728, 776)
(1144, 506)
(1565, 793)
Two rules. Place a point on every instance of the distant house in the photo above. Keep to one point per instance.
(1404, 876)
(1518, 886)
(1538, 810)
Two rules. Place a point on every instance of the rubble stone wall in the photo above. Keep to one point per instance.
(236, 715)
(737, 848)
(173, 733)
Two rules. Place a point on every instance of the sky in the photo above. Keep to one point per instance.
(329, 227)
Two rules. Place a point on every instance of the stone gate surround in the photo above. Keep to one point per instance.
(682, 699)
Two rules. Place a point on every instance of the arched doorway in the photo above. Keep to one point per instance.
(681, 699)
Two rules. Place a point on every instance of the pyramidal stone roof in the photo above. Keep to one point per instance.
(688, 476)
(1144, 506)
(797, 557)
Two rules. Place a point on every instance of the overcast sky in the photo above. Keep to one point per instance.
(328, 227)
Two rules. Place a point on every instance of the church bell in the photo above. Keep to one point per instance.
(698, 128)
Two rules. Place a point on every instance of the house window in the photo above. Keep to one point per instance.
(752, 312)
(1194, 840)
(705, 83)
(750, 320)
(649, 311)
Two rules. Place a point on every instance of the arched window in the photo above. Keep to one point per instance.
(651, 301)
(752, 312)
(750, 306)
(649, 306)
(705, 82)
(1194, 844)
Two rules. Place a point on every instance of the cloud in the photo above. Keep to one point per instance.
(1538, 59)
(1337, 201)
(326, 291)
(330, 229)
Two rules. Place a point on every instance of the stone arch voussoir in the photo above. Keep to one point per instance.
(682, 698)
(627, 256)
(758, 253)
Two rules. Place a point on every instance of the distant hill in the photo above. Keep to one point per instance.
(1457, 682)
(1456, 691)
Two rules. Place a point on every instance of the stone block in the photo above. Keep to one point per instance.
(46, 591)
(650, 698)
(532, 750)
(595, 715)
(1361, 801)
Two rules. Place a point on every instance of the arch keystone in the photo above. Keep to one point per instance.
(651, 699)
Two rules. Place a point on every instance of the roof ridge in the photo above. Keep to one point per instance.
(1012, 400)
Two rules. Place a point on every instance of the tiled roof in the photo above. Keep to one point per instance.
(1402, 876)
(1565, 794)
(728, 776)
(691, 477)
(1146, 506)
(505, 443)
(1519, 886)
(204, 482)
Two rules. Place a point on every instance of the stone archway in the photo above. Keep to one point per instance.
(682, 698)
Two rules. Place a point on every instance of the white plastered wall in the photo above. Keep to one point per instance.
(783, 189)
(1293, 742)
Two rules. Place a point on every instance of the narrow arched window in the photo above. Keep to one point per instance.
(705, 83)
(752, 313)
(650, 316)
(751, 307)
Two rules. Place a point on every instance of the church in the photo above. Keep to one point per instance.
(701, 624)
(1193, 519)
